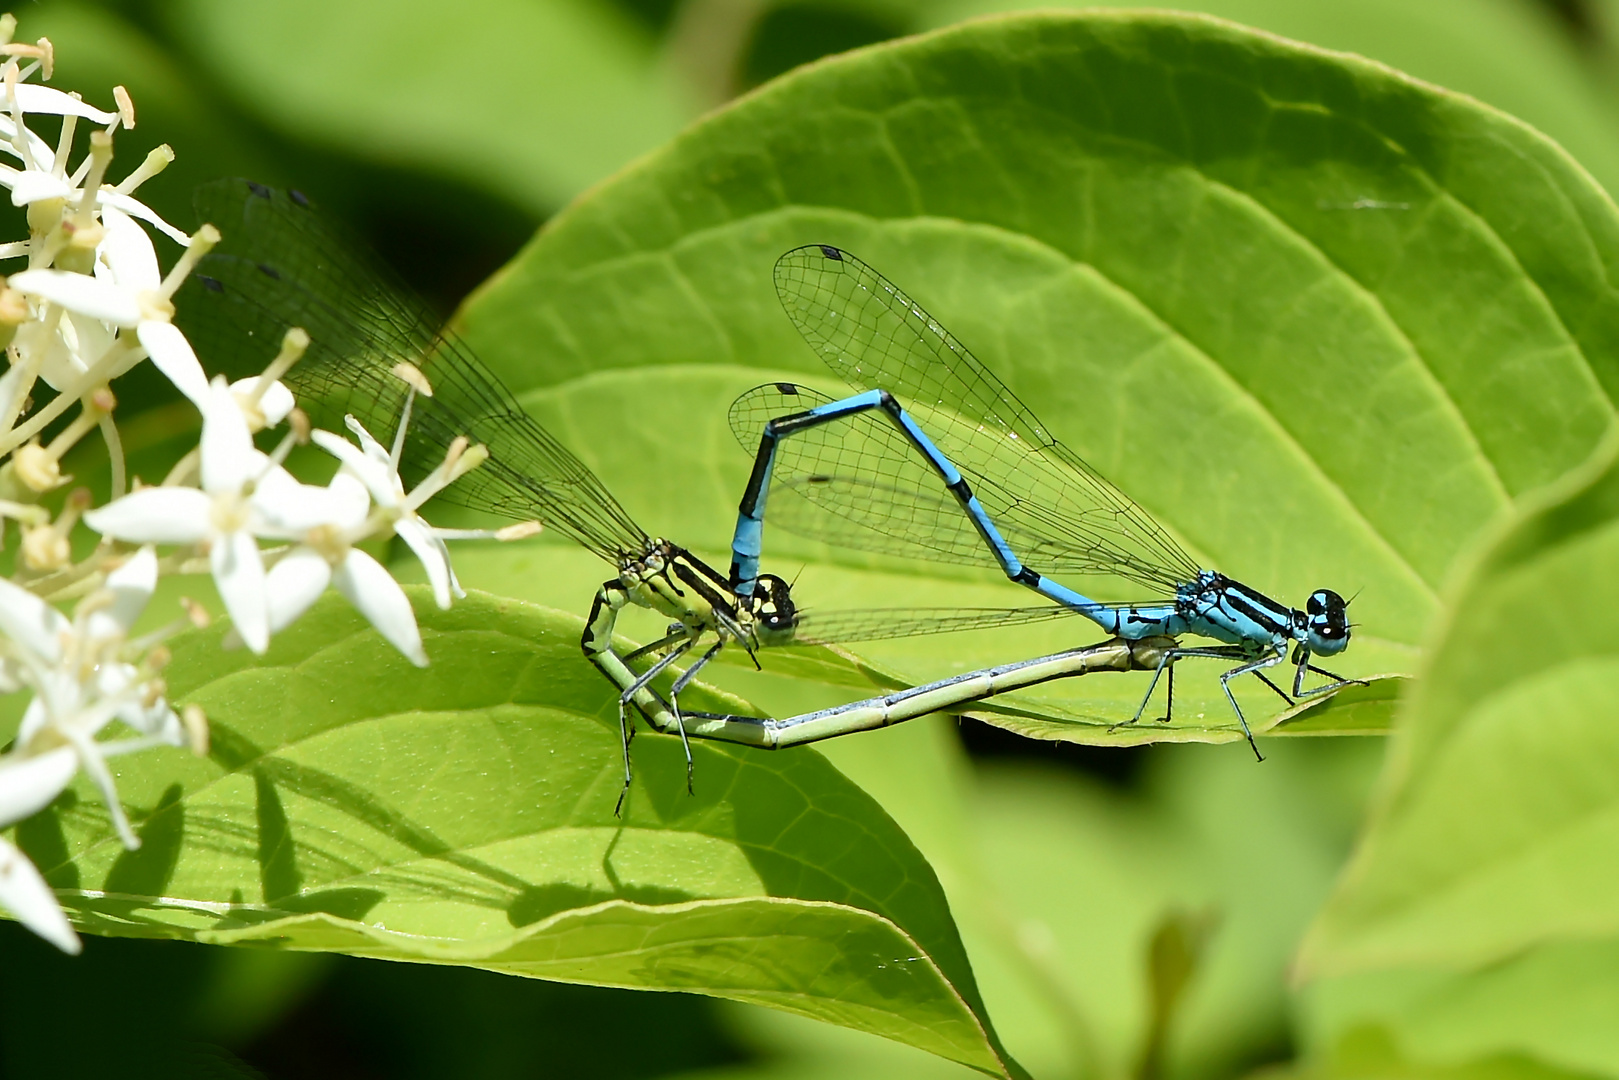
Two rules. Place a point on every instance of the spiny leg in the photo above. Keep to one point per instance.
(674, 703)
(625, 728)
(676, 633)
(1253, 666)
(1219, 652)
(1166, 660)
(596, 641)
(1338, 681)
(655, 670)
(1279, 691)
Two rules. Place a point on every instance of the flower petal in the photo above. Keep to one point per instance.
(34, 719)
(58, 363)
(173, 356)
(42, 153)
(131, 586)
(34, 98)
(378, 477)
(127, 252)
(28, 186)
(348, 487)
(288, 510)
(294, 583)
(228, 457)
(31, 622)
(434, 556)
(137, 209)
(157, 720)
(88, 338)
(239, 575)
(373, 449)
(81, 293)
(30, 784)
(23, 892)
(380, 599)
(274, 404)
(155, 515)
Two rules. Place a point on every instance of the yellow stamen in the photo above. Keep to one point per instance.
(100, 158)
(196, 613)
(520, 531)
(156, 161)
(201, 242)
(412, 375)
(126, 107)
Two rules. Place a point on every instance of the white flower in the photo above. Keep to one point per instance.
(23, 892)
(264, 410)
(80, 686)
(130, 293)
(245, 495)
(44, 174)
(327, 557)
(378, 470)
(370, 468)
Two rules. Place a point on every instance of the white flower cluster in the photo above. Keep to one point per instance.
(90, 304)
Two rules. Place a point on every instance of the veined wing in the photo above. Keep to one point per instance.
(281, 264)
(857, 482)
(877, 624)
(876, 337)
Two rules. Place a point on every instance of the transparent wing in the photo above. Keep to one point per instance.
(847, 484)
(833, 627)
(281, 264)
(857, 482)
(876, 337)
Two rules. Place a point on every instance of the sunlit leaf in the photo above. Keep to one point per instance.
(1498, 830)
(464, 814)
(1324, 322)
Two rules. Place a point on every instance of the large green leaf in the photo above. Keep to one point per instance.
(1507, 53)
(1553, 1002)
(1478, 914)
(1497, 831)
(531, 100)
(1323, 321)
(464, 814)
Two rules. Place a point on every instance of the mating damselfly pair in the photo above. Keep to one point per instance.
(932, 458)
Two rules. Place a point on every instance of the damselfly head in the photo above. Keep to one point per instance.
(774, 613)
(1326, 623)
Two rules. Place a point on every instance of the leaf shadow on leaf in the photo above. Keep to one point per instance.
(276, 850)
(464, 814)
(278, 864)
(148, 869)
(43, 840)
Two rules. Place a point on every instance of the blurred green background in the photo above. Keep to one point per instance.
(447, 134)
